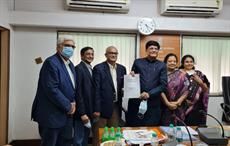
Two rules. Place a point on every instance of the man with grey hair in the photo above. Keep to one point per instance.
(54, 103)
(108, 77)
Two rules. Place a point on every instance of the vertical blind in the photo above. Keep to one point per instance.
(212, 57)
(125, 43)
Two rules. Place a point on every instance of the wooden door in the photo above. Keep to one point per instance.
(4, 84)
(168, 43)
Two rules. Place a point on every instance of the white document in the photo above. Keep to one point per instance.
(191, 131)
(137, 136)
(132, 86)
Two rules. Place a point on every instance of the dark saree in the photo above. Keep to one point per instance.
(197, 100)
(177, 86)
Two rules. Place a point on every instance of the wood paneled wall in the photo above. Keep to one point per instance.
(168, 43)
(4, 84)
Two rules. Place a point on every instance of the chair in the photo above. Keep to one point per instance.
(226, 112)
(226, 94)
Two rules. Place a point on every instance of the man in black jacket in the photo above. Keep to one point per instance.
(85, 92)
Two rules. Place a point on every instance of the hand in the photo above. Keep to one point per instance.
(132, 73)
(85, 119)
(144, 95)
(197, 79)
(73, 108)
(172, 105)
(96, 114)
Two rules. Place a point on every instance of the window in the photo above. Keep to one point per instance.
(212, 57)
(125, 43)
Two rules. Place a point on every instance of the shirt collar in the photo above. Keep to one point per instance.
(66, 62)
(151, 61)
(112, 67)
(88, 65)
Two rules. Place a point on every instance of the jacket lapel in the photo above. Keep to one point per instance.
(107, 71)
(118, 76)
(86, 70)
(66, 72)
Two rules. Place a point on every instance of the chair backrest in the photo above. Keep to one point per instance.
(226, 112)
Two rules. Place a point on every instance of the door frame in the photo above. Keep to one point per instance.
(4, 83)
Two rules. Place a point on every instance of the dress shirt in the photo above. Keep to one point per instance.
(69, 70)
(113, 73)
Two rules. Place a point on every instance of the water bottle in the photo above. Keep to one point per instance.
(179, 134)
(105, 135)
(118, 139)
(119, 132)
(171, 132)
(154, 139)
(112, 134)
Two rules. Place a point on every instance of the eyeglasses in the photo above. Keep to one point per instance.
(68, 45)
(112, 53)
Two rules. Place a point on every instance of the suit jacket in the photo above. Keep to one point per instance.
(105, 90)
(55, 92)
(85, 91)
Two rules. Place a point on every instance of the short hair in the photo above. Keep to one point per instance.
(169, 55)
(152, 43)
(183, 59)
(83, 50)
(64, 38)
(110, 47)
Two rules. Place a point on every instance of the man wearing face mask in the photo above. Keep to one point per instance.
(54, 103)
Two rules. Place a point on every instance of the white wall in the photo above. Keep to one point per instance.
(30, 44)
(34, 35)
(4, 14)
(214, 109)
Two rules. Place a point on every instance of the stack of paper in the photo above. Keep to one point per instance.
(140, 136)
(184, 131)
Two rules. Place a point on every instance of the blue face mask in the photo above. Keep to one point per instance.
(67, 52)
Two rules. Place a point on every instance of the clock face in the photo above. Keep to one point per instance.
(146, 26)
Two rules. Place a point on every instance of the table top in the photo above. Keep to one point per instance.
(156, 129)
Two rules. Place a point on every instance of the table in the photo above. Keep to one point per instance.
(187, 143)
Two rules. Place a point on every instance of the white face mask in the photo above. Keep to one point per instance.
(142, 109)
(88, 124)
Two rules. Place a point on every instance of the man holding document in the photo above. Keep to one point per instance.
(146, 110)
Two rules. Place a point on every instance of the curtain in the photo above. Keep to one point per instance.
(212, 57)
(125, 43)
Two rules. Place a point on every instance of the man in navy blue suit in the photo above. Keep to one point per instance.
(108, 77)
(153, 81)
(85, 92)
(54, 103)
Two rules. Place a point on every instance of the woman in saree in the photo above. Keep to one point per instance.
(177, 91)
(197, 98)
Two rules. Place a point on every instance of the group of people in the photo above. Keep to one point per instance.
(72, 101)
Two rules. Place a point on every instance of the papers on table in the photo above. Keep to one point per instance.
(140, 136)
(184, 131)
(132, 86)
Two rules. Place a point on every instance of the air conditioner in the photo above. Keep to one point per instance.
(191, 7)
(114, 6)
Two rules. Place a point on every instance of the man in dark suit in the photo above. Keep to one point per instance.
(54, 103)
(153, 81)
(85, 92)
(108, 77)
